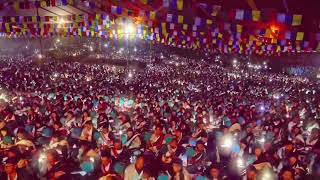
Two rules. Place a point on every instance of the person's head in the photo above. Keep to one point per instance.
(251, 173)
(292, 159)
(158, 130)
(52, 156)
(287, 174)
(289, 146)
(117, 145)
(200, 147)
(129, 133)
(105, 158)
(178, 133)
(177, 165)
(10, 165)
(88, 125)
(258, 151)
(214, 171)
(174, 143)
(139, 162)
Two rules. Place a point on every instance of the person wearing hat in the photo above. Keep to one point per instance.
(178, 171)
(11, 171)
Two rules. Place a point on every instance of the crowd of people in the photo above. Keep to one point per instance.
(177, 121)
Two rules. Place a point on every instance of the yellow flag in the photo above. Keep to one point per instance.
(256, 15)
(300, 36)
(214, 41)
(164, 28)
(152, 15)
(239, 28)
(180, 4)
(34, 18)
(209, 21)
(180, 19)
(297, 19)
(185, 26)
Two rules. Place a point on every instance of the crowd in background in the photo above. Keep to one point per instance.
(179, 121)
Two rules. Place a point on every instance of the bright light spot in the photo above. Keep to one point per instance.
(177, 64)
(120, 132)
(105, 45)
(129, 28)
(74, 54)
(240, 163)
(26, 47)
(262, 108)
(3, 97)
(91, 48)
(40, 56)
(227, 142)
(55, 75)
(264, 63)
(58, 40)
(135, 49)
(20, 98)
(61, 21)
(130, 75)
(262, 140)
(91, 159)
(235, 61)
(42, 158)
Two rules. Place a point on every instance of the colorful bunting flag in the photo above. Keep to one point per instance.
(297, 19)
(300, 36)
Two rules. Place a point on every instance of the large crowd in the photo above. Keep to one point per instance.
(177, 121)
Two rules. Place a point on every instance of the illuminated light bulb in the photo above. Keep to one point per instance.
(227, 142)
(240, 163)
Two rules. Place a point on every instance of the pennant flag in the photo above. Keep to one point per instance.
(114, 9)
(209, 21)
(180, 19)
(281, 18)
(297, 19)
(152, 15)
(180, 4)
(185, 26)
(169, 17)
(165, 3)
(287, 35)
(197, 21)
(171, 26)
(239, 28)
(256, 15)
(300, 36)
(239, 14)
